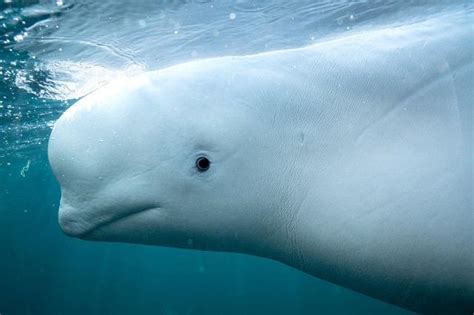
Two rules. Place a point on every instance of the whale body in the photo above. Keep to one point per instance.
(350, 159)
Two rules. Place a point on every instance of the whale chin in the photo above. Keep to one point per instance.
(78, 222)
(72, 221)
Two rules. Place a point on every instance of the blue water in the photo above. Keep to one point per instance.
(53, 52)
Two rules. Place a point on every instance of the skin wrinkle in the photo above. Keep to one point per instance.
(402, 102)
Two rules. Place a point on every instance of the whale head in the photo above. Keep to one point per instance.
(166, 159)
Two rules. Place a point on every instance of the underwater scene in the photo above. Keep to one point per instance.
(236, 157)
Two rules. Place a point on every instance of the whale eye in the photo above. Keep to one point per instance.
(203, 163)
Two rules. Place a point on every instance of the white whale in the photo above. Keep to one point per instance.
(350, 159)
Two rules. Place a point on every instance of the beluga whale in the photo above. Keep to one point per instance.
(350, 159)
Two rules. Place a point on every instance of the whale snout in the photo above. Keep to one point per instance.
(97, 161)
(86, 218)
(72, 221)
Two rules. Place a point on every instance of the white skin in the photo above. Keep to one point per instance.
(350, 159)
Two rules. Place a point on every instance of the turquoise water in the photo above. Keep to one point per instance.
(53, 52)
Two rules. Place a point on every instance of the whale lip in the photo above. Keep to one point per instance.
(74, 224)
(115, 219)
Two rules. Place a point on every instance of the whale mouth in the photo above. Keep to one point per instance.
(92, 232)
(74, 223)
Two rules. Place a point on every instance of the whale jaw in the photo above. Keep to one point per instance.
(77, 221)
